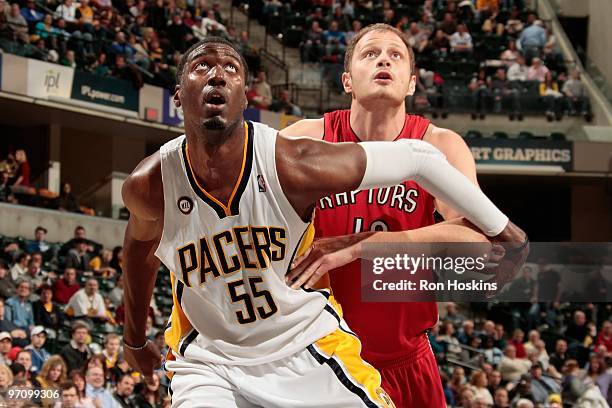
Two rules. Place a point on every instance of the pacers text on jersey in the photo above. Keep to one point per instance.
(230, 251)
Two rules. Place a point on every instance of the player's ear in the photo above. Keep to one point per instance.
(176, 98)
(412, 85)
(346, 82)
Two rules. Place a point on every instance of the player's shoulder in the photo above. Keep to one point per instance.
(142, 190)
(312, 128)
(442, 138)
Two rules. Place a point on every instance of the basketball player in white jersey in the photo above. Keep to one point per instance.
(226, 208)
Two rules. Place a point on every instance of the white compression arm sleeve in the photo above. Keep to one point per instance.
(391, 163)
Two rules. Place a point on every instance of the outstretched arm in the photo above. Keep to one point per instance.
(309, 170)
(143, 196)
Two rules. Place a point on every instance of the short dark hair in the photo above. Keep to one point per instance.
(348, 56)
(209, 40)
(66, 385)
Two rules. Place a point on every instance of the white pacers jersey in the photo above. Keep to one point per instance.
(228, 262)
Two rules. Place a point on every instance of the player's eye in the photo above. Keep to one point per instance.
(202, 66)
(396, 55)
(370, 54)
(231, 68)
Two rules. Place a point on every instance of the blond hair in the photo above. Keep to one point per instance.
(48, 366)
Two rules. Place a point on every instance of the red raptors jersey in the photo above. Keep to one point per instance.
(387, 330)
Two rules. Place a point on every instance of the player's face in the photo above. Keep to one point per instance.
(380, 69)
(212, 90)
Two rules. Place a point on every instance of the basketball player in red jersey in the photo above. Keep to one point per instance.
(379, 74)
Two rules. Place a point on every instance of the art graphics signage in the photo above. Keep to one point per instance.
(49, 80)
(100, 90)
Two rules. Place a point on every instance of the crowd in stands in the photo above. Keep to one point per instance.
(492, 53)
(16, 187)
(562, 362)
(134, 40)
(61, 309)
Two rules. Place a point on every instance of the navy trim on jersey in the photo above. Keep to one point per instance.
(234, 205)
(246, 173)
(344, 380)
(180, 286)
(187, 341)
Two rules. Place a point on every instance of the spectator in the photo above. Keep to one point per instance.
(572, 386)
(101, 264)
(35, 275)
(479, 387)
(531, 344)
(577, 96)
(121, 47)
(479, 86)
(30, 14)
(24, 357)
(44, 30)
(549, 91)
(117, 261)
(312, 46)
(355, 27)
(79, 234)
(6, 378)
(510, 54)
(78, 379)
(125, 389)
(467, 332)
(461, 41)
(95, 390)
(39, 244)
(453, 315)
(52, 374)
(448, 24)
(7, 286)
(66, 287)
(87, 302)
(149, 396)
(116, 294)
(67, 11)
(284, 104)
(492, 354)
(605, 337)
(518, 71)
(20, 268)
(537, 71)
(78, 258)
(99, 66)
(111, 350)
(18, 24)
(5, 348)
(417, 38)
(533, 39)
(6, 190)
(514, 25)
(47, 313)
(77, 351)
(36, 348)
(577, 329)
(70, 397)
(18, 308)
(260, 94)
(179, 34)
(19, 336)
(542, 386)
(501, 399)
(67, 201)
(504, 91)
(518, 336)
(559, 357)
(210, 26)
(84, 15)
(511, 367)
(69, 59)
(335, 42)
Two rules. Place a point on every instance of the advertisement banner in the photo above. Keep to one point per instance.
(47, 80)
(555, 153)
(171, 115)
(110, 92)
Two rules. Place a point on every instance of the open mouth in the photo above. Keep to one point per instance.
(215, 100)
(383, 76)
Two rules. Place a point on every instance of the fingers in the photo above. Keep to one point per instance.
(297, 261)
(306, 274)
(298, 270)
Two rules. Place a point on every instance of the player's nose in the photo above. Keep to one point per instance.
(383, 61)
(217, 76)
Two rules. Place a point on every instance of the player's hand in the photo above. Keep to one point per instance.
(323, 255)
(516, 250)
(145, 360)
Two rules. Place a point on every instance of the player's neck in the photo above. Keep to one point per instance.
(385, 123)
